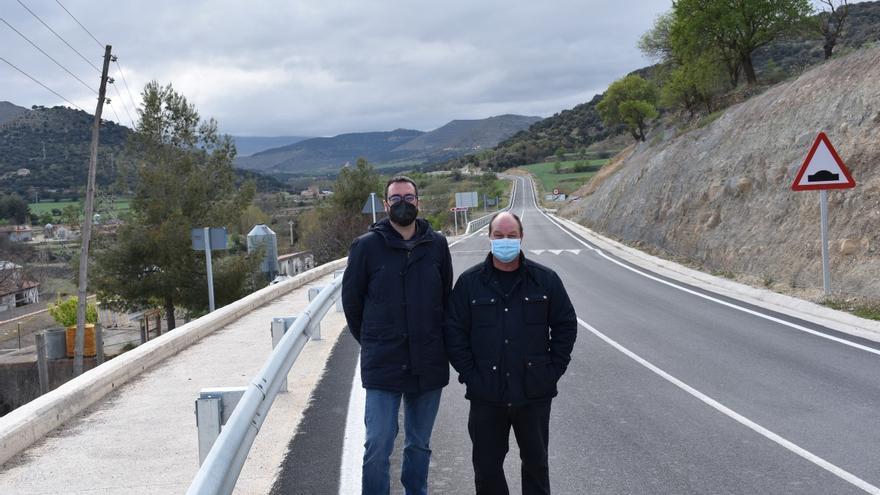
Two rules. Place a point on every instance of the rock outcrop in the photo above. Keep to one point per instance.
(721, 194)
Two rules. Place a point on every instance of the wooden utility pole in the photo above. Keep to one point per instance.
(87, 224)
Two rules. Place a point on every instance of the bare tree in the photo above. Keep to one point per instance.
(830, 23)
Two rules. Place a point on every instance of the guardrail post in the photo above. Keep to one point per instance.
(337, 274)
(313, 293)
(213, 408)
(278, 327)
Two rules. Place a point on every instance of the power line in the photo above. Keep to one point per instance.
(133, 104)
(49, 56)
(118, 120)
(124, 106)
(59, 36)
(41, 84)
(80, 24)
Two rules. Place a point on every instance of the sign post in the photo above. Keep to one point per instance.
(823, 170)
(372, 205)
(209, 238)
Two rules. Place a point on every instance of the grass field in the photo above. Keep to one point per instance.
(47, 206)
(566, 182)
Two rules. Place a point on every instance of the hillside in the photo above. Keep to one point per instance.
(400, 147)
(467, 136)
(46, 150)
(8, 111)
(323, 154)
(248, 145)
(719, 195)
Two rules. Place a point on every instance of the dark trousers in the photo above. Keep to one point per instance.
(489, 428)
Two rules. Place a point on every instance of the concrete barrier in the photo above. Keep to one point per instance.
(23, 426)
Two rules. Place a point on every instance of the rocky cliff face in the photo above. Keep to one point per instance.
(721, 194)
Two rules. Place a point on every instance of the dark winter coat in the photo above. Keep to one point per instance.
(510, 350)
(393, 300)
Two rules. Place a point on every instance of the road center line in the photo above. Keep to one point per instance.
(833, 469)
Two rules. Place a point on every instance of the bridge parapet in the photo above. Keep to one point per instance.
(26, 425)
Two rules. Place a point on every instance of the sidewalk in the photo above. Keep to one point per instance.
(142, 438)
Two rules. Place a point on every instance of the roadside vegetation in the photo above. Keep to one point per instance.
(566, 176)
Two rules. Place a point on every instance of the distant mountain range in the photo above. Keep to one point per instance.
(401, 147)
(248, 145)
(44, 151)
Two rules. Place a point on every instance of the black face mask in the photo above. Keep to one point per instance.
(403, 213)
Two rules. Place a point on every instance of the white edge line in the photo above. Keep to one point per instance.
(716, 300)
(833, 469)
(355, 436)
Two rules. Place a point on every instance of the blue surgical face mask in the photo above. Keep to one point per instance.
(505, 250)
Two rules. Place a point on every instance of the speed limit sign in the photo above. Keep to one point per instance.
(556, 191)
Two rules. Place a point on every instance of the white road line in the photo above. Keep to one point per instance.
(355, 436)
(833, 469)
(719, 301)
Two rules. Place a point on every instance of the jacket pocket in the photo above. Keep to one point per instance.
(485, 384)
(483, 311)
(540, 377)
(535, 309)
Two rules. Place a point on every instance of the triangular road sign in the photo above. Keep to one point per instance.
(823, 169)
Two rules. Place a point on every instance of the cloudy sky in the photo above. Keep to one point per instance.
(324, 67)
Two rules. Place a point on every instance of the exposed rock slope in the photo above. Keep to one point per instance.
(721, 194)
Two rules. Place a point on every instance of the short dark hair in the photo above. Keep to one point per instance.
(518, 221)
(400, 178)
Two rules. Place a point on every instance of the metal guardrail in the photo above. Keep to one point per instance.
(479, 223)
(221, 467)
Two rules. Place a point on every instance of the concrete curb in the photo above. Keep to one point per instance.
(24, 426)
(773, 301)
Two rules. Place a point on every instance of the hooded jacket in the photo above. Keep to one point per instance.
(394, 300)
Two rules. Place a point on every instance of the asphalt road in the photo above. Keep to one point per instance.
(671, 390)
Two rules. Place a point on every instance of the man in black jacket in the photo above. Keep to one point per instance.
(394, 290)
(510, 332)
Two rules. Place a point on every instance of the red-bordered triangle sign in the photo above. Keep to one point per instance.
(823, 169)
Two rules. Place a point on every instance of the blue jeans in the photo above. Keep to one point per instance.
(380, 418)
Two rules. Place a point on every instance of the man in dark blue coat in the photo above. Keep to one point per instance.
(394, 290)
(510, 332)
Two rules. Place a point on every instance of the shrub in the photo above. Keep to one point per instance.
(64, 312)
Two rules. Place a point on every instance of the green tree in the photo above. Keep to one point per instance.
(695, 85)
(631, 101)
(732, 30)
(657, 42)
(329, 229)
(70, 215)
(14, 209)
(185, 180)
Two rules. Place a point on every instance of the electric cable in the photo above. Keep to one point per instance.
(80, 24)
(59, 36)
(121, 74)
(124, 106)
(47, 55)
(32, 78)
